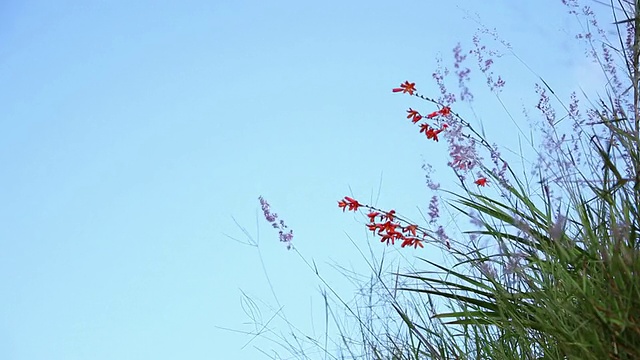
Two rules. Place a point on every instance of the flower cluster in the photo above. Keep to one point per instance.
(385, 223)
(285, 236)
(388, 228)
(460, 155)
(430, 131)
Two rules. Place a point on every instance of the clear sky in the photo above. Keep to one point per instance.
(132, 132)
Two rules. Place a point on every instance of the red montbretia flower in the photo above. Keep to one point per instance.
(442, 112)
(372, 216)
(433, 134)
(481, 181)
(407, 87)
(410, 229)
(416, 115)
(349, 204)
(412, 241)
(430, 132)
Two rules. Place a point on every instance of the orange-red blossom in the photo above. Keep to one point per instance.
(388, 229)
(416, 115)
(445, 111)
(432, 133)
(407, 87)
(350, 203)
(481, 181)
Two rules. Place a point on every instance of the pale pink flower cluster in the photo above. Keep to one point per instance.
(285, 236)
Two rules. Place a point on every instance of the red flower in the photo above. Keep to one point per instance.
(481, 181)
(351, 204)
(434, 134)
(410, 229)
(412, 241)
(443, 112)
(372, 216)
(389, 227)
(407, 87)
(391, 236)
(416, 115)
(431, 132)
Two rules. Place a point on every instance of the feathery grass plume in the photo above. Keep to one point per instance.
(284, 235)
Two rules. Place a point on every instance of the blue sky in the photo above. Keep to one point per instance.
(132, 133)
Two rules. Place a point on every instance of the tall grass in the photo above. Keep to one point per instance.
(564, 282)
(557, 276)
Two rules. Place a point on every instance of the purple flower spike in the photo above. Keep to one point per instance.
(272, 218)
